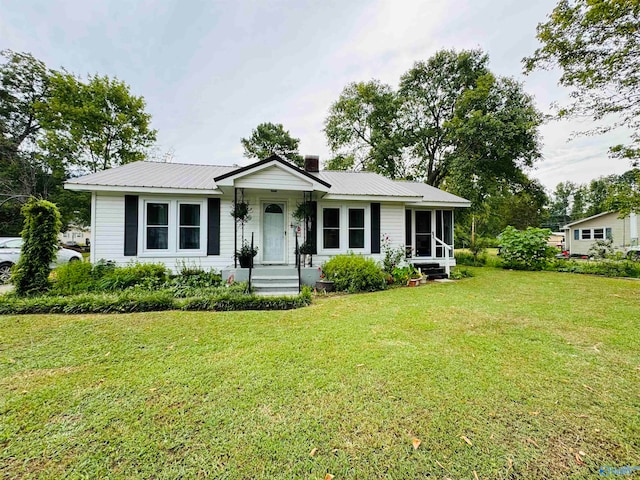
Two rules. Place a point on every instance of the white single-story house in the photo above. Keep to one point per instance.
(75, 233)
(582, 234)
(181, 213)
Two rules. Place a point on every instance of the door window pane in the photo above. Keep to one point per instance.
(356, 228)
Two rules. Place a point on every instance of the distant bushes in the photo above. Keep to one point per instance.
(354, 273)
(607, 268)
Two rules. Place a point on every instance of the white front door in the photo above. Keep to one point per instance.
(273, 232)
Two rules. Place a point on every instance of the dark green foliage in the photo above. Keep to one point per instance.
(74, 277)
(460, 273)
(124, 302)
(606, 268)
(354, 273)
(467, 258)
(152, 275)
(525, 249)
(40, 247)
(401, 275)
(232, 302)
(268, 139)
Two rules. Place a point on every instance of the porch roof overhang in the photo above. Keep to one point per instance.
(272, 173)
(371, 198)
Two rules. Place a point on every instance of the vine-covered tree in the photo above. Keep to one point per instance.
(271, 138)
(596, 45)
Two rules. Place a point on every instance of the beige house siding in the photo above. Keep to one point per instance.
(620, 233)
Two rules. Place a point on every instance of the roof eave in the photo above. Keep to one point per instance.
(83, 187)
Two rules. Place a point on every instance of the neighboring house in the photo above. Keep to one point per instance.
(582, 234)
(180, 213)
(556, 240)
(75, 233)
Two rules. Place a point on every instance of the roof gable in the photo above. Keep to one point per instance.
(262, 174)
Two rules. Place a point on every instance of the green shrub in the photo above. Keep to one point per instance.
(150, 275)
(73, 277)
(401, 275)
(607, 268)
(393, 257)
(460, 273)
(467, 258)
(39, 249)
(601, 249)
(354, 273)
(525, 249)
(124, 302)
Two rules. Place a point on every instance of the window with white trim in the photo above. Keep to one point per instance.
(356, 228)
(331, 228)
(189, 226)
(173, 226)
(157, 225)
(586, 234)
(599, 233)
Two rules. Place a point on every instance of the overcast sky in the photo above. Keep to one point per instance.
(211, 71)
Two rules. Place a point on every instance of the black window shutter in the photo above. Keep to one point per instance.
(213, 226)
(130, 225)
(375, 228)
(313, 231)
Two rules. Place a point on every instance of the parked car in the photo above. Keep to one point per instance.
(633, 253)
(10, 248)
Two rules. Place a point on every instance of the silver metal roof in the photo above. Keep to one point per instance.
(363, 183)
(156, 174)
(201, 177)
(433, 194)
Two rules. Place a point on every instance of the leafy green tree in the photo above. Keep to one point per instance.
(362, 127)
(525, 249)
(595, 44)
(94, 125)
(270, 138)
(40, 235)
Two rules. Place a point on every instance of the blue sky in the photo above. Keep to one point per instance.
(211, 71)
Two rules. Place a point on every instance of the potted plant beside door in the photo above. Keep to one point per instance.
(306, 249)
(245, 255)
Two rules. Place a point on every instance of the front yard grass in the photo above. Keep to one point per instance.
(507, 374)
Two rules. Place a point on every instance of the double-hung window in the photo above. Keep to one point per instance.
(189, 227)
(331, 228)
(157, 215)
(598, 233)
(174, 226)
(356, 228)
(586, 234)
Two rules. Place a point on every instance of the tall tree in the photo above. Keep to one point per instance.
(362, 128)
(271, 138)
(450, 122)
(94, 125)
(596, 45)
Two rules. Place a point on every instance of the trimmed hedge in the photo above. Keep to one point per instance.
(146, 301)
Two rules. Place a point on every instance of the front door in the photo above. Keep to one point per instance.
(273, 233)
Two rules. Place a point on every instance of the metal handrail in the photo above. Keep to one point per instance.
(250, 264)
(298, 262)
(448, 248)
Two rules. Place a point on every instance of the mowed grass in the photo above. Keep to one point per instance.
(507, 374)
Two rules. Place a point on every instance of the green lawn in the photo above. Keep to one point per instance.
(507, 374)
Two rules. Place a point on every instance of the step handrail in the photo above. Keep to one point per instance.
(250, 266)
(298, 262)
(448, 248)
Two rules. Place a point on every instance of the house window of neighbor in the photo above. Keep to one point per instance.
(356, 228)
(157, 226)
(189, 226)
(598, 233)
(586, 234)
(331, 227)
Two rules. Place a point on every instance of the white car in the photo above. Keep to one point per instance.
(10, 248)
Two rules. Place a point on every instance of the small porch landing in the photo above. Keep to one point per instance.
(274, 280)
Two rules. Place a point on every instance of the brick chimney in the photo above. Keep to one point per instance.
(312, 163)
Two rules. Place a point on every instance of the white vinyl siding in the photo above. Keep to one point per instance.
(274, 178)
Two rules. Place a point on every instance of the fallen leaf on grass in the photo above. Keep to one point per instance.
(328, 476)
(12, 360)
(335, 450)
(152, 389)
(533, 442)
(171, 347)
(313, 452)
(534, 413)
(440, 465)
(582, 453)
(509, 464)
(579, 459)
(107, 354)
(475, 475)
(416, 443)
(467, 440)
(360, 365)
(588, 387)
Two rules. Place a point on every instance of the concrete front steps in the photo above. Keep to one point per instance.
(275, 281)
(433, 271)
